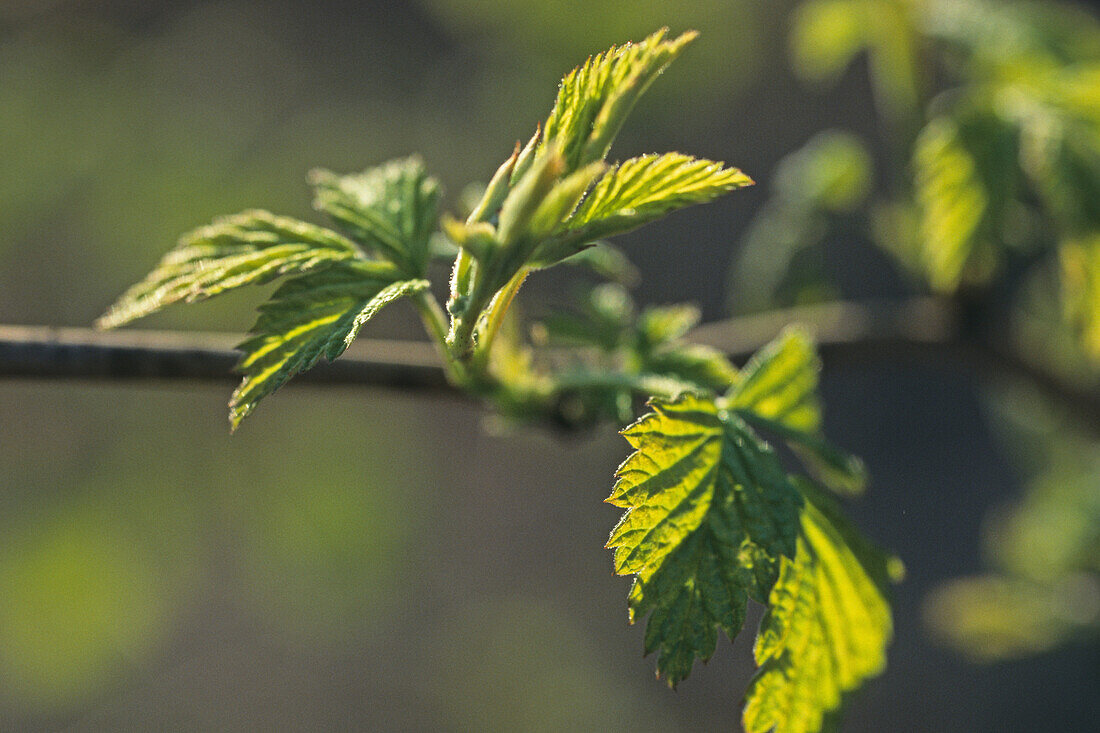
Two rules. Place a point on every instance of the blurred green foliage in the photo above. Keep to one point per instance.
(1044, 549)
(104, 555)
(811, 190)
(994, 110)
(826, 35)
(989, 182)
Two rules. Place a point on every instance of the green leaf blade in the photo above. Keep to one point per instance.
(667, 484)
(252, 247)
(309, 317)
(709, 512)
(777, 391)
(692, 595)
(640, 190)
(826, 630)
(392, 209)
(780, 382)
(595, 98)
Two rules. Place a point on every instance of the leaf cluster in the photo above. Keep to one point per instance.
(713, 519)
(712, 516)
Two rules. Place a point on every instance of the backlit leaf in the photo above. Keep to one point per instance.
(640, 190)
(391, 209)
(965, 173)
(777, 391)
(309, 317)
(709, 512)
(253, 247)
(595, 98)
(952, 203)
(826, 629)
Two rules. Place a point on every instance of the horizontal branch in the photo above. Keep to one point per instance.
(43, 352)
(915, 329)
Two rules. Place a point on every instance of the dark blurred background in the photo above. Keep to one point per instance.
(359, 559)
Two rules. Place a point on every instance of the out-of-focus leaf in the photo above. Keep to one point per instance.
(829, 176)
(1080, 260)
(1044, 548)
(1055, 529)
(657, 340)
(826, 35)
(964, 175)
(1041, 330)
(831, 172)
(661, 324)
(995, 617)
(604, 320)
(695, 363)
(993, 33)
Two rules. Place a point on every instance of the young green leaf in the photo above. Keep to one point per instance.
(777, 391)
(636, 192)
(827, 626)
(709, 512)
(249, 248)
(315, 315)
(391, 209)
(594, 99)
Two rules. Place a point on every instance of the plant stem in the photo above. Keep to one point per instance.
(649, 384)
(494, 317)
(435, 321)
(459, 342)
